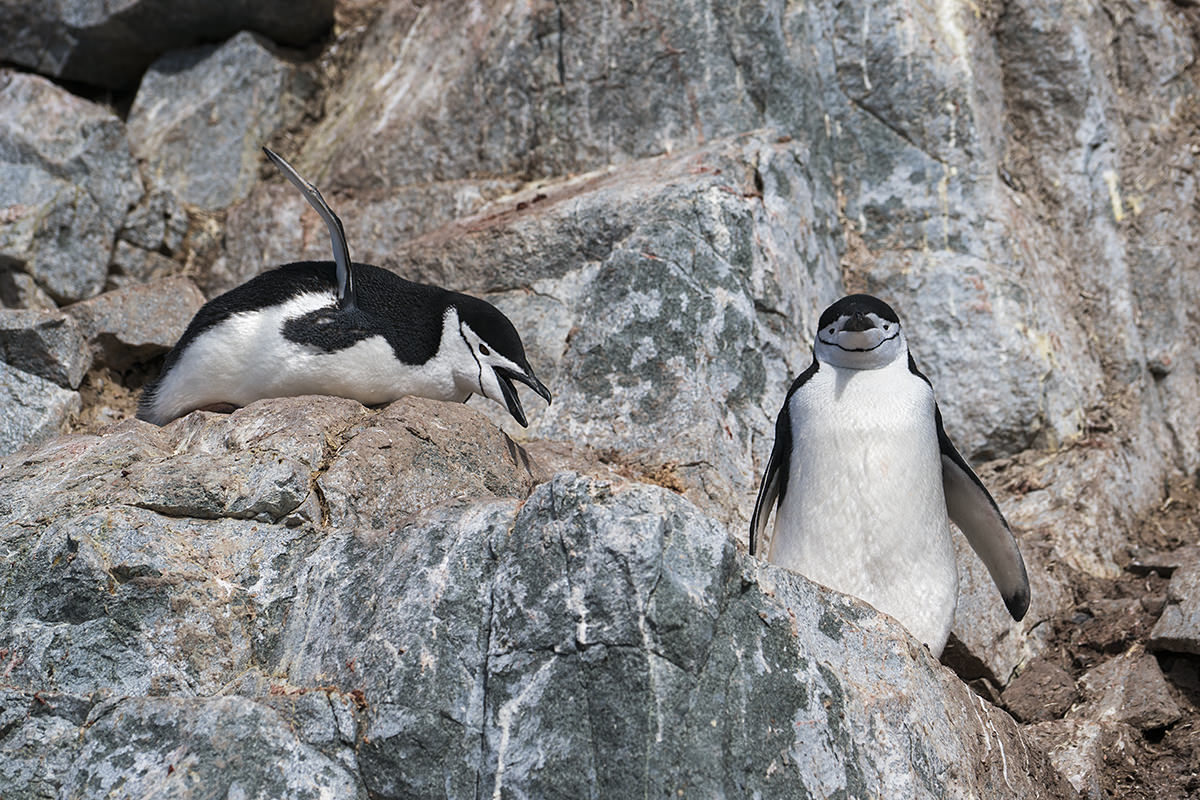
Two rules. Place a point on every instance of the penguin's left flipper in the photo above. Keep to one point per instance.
(971, 507)
(337, 234)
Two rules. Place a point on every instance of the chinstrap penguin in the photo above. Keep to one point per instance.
(865, 480)
(332, 327)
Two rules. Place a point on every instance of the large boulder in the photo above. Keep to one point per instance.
(201, 116)
(581, 637)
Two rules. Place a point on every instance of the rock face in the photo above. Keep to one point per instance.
(661, 195)
(577, 638)
(110, 44)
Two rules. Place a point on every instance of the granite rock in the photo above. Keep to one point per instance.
(67, 179)
(136, 323)
(48, 344)
(594, 637)
(32, 409)
(202, 114)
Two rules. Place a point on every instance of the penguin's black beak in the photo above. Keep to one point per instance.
(505, 378)
(859, 322)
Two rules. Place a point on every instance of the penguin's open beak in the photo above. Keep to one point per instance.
(505, 378)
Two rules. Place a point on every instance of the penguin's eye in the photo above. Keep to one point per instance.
(831, 330)
(887, 327)
(483, 350)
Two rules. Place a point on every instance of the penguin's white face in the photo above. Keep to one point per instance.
(860, 332)
(486, 369)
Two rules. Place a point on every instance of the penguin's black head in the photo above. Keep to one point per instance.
(497, 357)
(859, 332)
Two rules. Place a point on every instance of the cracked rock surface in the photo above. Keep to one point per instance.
(426, 600)
(577, 637)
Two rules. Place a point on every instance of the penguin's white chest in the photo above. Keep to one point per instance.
(864, 511)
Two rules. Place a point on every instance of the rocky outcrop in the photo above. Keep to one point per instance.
(232, 581)
(661, 195)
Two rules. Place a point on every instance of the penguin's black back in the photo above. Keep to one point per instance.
(407, 315)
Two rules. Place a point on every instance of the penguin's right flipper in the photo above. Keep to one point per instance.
(337, 235)
(971, 507)
(768, 492)
(775, 479)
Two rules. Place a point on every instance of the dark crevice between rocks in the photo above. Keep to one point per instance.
(335, 440)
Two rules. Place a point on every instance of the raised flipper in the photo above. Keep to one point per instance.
(337, 235)
(976, 514)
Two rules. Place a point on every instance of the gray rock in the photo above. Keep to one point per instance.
(1130, 689)
(32, 409)
(111, 44)
(417, 452)
(1178, 629)
(138, 322)
(219, 746)
(44, 343)
(535, 90)
(667, 305)
(37, 741)
(158, 223)
(153, 233)
(132, 265)
(201, 115)
(614, 634)
(67, 180)
(597, 638)
(20, 290)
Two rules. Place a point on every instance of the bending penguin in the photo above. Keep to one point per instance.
(333, 327)
(866, 480)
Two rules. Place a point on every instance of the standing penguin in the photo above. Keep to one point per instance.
(866, 479)
(332, 327)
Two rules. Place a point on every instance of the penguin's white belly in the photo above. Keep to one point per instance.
(864, 511)
(246, 358)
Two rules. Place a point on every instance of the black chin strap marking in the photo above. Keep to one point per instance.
(859, 349)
